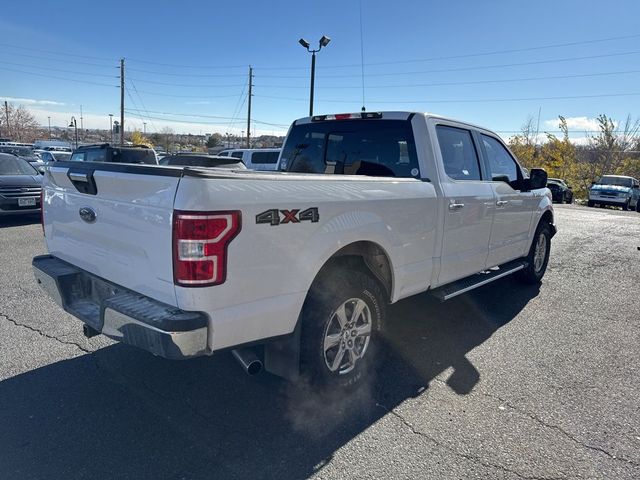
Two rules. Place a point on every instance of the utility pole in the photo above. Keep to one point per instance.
(111, 128)
(249, 108)
(6, 112)
(81, 123)
(122, 101)
(49, 119)
(144, 128)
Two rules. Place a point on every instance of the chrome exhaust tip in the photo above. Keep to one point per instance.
(248, 360)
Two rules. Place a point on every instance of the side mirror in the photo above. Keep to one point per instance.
(537, 179)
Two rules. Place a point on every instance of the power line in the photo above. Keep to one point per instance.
(187, 84)
(217, 117)
(51, 52)
(66, 79)
(182, 74)
(51, 69)
(187, 96)
(472, 82)
(415, 60)
(40, 57)
(141, 102)
(484, 100)
(461, 69)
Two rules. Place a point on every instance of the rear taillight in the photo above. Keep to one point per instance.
(42, 209)
(200, 241)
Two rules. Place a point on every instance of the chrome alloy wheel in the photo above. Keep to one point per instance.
(347, 335)
(540, 252)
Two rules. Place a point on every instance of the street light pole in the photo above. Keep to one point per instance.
(324, 41)
(111, 128)
(144, 128)
(74, 124)
(49, 119)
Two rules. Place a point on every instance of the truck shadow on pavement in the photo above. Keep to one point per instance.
(122, 413)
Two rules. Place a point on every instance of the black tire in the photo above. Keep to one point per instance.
(590, 203)
(638, 206)
(625, 207)
(530, 274)
(319, 319)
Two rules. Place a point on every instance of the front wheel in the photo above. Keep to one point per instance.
(625, 207)
(590, 203)
(538, 256)
(638, 206)
(342, 321)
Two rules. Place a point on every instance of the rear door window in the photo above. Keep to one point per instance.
(236, 154)
(352, 147)
(459, 154)
(262, 158)
(96, 155)
(77, 157)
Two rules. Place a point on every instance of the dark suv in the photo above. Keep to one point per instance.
(110, 153)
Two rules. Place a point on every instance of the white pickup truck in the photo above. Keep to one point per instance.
(292, 269)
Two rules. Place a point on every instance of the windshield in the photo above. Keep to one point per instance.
(10, 165)
(352, 147)
(620, 181)
(25, 152)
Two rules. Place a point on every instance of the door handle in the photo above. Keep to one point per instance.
(78, 177)
(456, 206)
(501, 203)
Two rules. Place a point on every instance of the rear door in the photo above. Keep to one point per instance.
(514, 208)
(468, 207)
(114, 221)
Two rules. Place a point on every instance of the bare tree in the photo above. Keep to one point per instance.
(22, 124)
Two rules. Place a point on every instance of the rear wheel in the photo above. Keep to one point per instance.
(625, 207)
(638, 206)
(538, 256)
(342, 320)
(590, 203)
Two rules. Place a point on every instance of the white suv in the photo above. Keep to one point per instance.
(255, 158)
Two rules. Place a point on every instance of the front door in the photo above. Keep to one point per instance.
(469, 205)
(514, 208)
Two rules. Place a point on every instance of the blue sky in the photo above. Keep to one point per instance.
(187, 61)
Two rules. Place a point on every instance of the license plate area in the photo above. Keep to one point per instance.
(27, 202)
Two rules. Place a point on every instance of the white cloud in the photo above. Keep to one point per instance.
(575, 123)
(31, 101)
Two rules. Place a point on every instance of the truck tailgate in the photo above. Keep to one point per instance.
(122, 232)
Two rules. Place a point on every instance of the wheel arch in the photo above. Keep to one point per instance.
(364, 255)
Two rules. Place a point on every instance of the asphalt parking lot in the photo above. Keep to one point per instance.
(504, 382)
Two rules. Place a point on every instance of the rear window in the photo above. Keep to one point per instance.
(258, 158)
(352, 147)
(236, 154)
(138, 155)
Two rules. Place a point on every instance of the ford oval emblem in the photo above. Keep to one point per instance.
(87, 214)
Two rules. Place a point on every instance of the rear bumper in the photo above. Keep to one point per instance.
(121, 314)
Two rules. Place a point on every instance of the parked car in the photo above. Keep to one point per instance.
(24, 153)
(201, 160)
(20, 186)
(117, 154)
(186, 262)
(560, 191)
(255, 158)
(53, 155)
(52, 144)
(616, 191)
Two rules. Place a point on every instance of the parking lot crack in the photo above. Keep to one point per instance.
(43, 334)
(562, 431)
(466, 456)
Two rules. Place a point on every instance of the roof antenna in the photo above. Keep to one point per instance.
(362, 57)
